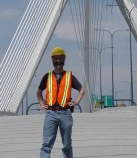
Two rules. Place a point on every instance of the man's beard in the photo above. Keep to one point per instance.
(58, 65)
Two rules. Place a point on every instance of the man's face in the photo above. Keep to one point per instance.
(58, 62)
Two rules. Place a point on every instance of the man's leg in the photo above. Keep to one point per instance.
(65, 125)
(49, 133)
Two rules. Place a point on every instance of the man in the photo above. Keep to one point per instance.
(59, 105)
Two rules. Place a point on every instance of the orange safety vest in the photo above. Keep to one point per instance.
(62, 94)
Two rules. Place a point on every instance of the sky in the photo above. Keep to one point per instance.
(11, 12)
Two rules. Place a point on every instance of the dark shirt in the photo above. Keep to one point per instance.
(75, 83)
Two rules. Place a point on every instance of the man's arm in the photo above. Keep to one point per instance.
(77, 85)
(78, 99)
(80, 95)
(41, 100)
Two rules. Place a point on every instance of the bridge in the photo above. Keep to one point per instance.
(33, 35)
(108, 132)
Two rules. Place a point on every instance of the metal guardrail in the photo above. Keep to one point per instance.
(134, 103)
(77, 108)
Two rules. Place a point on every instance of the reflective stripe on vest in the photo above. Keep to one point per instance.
(61, 94)
(50, 87)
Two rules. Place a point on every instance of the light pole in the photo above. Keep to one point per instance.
(112, 47)
(131, 70)
(99, 52)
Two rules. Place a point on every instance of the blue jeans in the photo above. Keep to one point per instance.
(53, 120)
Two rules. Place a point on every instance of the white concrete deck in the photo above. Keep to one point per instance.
(106, 134)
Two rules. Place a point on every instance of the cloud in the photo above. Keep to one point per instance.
(65, 30)
(9, 13)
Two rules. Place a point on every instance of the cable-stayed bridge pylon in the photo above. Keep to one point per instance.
(26, 50)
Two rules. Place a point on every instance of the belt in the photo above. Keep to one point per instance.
(57, 108)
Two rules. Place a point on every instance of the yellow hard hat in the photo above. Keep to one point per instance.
(58, 51)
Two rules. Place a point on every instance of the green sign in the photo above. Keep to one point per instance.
(106, 98)
(96, 100)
